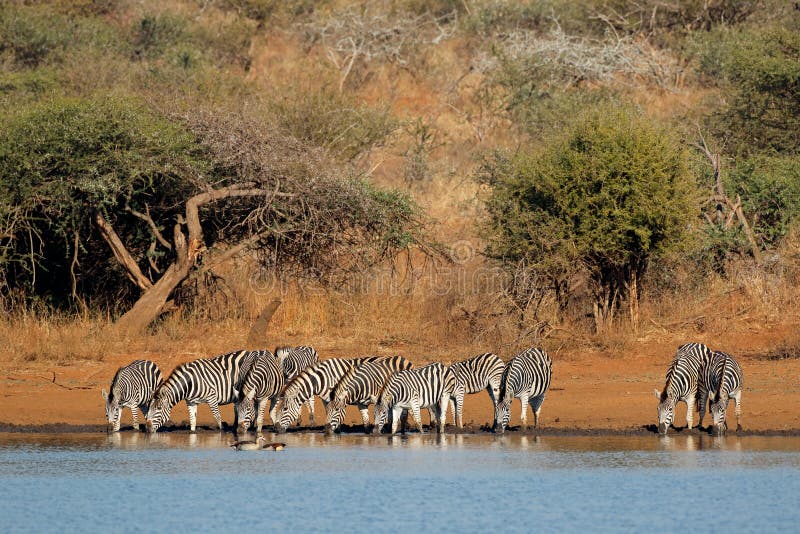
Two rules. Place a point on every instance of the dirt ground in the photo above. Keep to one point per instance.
(589, 390)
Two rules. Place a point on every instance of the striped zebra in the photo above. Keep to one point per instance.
(264, 382)
(318, 380)
(430, 386)
(293, 361)
(723, 379)
(133, 387)
(473, 375)
(214, 381)
(362, 386)
(682, 384)
(527, 377)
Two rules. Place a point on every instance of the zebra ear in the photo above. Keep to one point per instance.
(236, 393)
(658, 394)
(105, 395)
(251, 394)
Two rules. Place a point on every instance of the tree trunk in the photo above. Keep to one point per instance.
(633, 299)
(259, 329)
(154, 299)
(152, 302)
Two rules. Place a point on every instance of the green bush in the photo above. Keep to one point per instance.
(607, 196)
(770, 191)
(761, 72)
(30, 36)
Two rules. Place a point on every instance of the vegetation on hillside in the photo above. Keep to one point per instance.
(603, 155)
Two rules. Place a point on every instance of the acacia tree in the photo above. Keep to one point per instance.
(605, 198)
(112, 189)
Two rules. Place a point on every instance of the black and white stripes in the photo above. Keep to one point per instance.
(480, 372)
(527, 377)
(214, 381)
(264, 382)
(293, 361)
(318, 380)
(133, 387)
(723, 380)
(682, 382)
(425, 387)
(362, 386)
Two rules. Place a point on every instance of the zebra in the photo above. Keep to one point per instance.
(430, 386)
(292, 361)
(527, 376)
(723, 379)
(473, 375)
(362, 386)
(682, 384)
(214, 381)
(133, 387)
(264, 382)
(319, 380)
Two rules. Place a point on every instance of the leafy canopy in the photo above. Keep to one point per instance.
(607, 195)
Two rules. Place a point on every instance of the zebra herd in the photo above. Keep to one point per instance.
(696, 376)
(291, 378)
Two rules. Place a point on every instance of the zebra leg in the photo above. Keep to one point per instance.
(536, 407)
(737, 397)
(214, 407)
(310, 404)
(262, 407)
(458, 409)
(416, 415)
(443, 404)
(524, 415)
(690, 400)
(192, 416)
(702, 397)
(273, 410)
(494, 393)
(135, 414)
(364, 410)
(397, 413)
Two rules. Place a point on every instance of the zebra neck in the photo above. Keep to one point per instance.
(175, 391)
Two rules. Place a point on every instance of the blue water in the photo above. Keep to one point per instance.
(186, 483)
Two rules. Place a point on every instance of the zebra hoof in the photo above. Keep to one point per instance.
(738, 428)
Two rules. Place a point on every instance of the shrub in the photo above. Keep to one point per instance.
(30, 35)
(606, 197)
(761, 72)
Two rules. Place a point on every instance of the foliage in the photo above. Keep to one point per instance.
(607, 196)
(65, 161)
(30, 36)
(761, 70)
(770, 191)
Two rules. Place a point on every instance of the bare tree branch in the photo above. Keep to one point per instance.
(149, 220)
(121, 253)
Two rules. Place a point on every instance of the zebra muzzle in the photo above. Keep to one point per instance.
(662, 429)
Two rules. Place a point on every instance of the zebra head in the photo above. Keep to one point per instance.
(158, 413)
(666, 411)
(381, 414)
(502, 413)
(335, 411)
(113, 410)
(718, 409)
(288, 413)
(245, 409)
